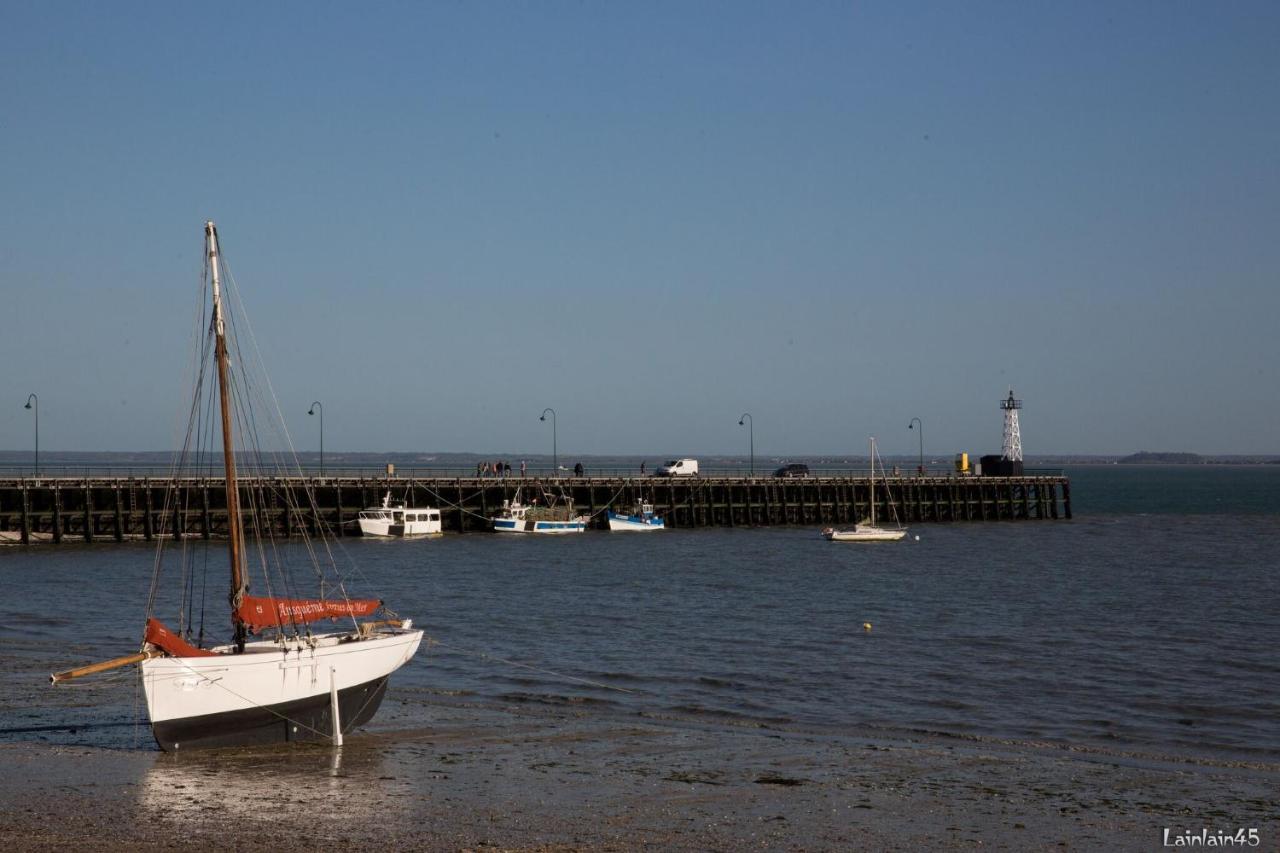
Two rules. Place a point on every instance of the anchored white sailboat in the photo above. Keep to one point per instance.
(868, 531)
(292, 684)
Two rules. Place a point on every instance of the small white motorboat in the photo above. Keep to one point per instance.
(554, 517)
(641, 519)
(868, 531)
(397, 520)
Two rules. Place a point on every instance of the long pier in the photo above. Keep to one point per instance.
(118, 509)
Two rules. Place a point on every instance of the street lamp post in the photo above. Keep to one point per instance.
(32, 398)
(316, 405)
(751, 437)
(920, 433)
(555, 451)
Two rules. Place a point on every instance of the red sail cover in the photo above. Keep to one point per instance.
(170, 643)
(258, 613)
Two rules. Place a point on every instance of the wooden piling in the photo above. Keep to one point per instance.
(119, 514)
(26, 514)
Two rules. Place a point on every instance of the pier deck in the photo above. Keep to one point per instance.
(117, 509)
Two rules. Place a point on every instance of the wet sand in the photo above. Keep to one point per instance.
(553, 778)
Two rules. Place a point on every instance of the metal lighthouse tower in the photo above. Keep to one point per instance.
(1011, 450)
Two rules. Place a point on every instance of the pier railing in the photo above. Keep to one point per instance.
(311, 471)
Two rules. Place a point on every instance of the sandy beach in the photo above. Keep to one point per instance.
(554, 778)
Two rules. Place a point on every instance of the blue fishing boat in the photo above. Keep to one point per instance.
(641, 519)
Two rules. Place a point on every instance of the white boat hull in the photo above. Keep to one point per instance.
(387, 529)
(552, 528)
(270, 693)
(634, 524)
(864, 534)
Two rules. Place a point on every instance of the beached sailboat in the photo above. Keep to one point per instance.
(640, 519)
(868, 531)
(277, 679)
(393, 519)
(555, 516)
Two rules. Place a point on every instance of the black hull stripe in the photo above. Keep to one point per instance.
(301, 720)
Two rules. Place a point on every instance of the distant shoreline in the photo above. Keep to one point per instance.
(407, 458)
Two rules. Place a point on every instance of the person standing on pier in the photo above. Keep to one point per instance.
(522, 469)
(642, 468)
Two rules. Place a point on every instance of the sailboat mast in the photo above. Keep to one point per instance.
(234, 529)
(872, 490)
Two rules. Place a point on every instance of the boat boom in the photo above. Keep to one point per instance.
(103, 666)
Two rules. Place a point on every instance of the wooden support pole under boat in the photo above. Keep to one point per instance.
(333, 706)
(94, 668)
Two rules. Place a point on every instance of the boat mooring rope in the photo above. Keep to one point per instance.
(441, 498)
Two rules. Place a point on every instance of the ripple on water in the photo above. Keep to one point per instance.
(1153, 632)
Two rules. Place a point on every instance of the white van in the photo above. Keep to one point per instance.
(679, 468)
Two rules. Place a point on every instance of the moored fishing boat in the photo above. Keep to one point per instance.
(640, 519)
(394, 519)
(556, 516)
(276, 679)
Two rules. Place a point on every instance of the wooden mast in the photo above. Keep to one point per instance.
(235, 530)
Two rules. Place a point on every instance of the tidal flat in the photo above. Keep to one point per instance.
(554, 778)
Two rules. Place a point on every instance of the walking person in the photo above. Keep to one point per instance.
(523, 469)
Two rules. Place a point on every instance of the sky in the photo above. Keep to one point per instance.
(652, 217)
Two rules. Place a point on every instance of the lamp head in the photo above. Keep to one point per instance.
(911, 426)
(28, 405)
(542, 417)
(742, 422)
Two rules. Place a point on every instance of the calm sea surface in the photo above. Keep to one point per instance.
(1150, 624)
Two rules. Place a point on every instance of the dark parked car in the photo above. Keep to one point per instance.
(795, 469)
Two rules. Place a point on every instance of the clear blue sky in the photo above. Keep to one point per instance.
(652, 217)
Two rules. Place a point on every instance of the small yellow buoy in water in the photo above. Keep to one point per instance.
(866, 626)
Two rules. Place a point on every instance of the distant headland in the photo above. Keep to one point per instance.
(1146, 457)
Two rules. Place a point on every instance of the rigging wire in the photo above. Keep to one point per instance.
(279, 422)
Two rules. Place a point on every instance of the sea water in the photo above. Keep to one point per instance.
(1148, 625)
